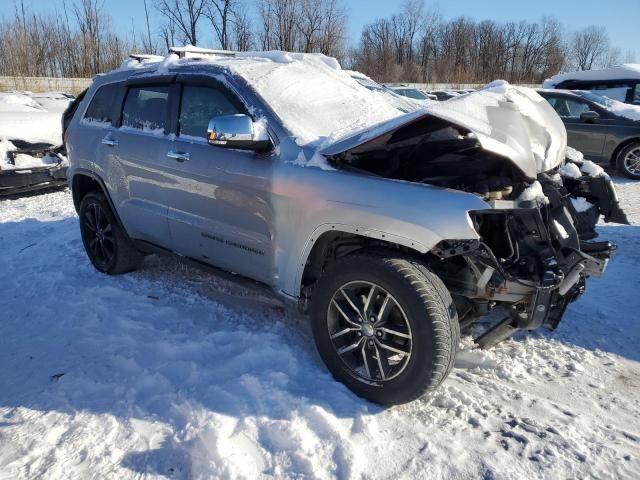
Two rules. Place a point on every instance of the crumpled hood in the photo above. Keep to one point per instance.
(513, 122)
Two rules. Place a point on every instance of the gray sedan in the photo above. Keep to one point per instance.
(600, 128)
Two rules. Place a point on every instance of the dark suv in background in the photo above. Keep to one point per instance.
(604, 130)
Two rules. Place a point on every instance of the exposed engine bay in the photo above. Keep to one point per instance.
(536, 247)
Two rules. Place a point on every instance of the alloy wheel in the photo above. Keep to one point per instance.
(99, 235)
(632, 161)
(369, 331)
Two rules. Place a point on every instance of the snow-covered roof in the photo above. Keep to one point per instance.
(621, 72)
(316, 100)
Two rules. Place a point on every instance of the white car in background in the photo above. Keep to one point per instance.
(620, 83)
(31, 151)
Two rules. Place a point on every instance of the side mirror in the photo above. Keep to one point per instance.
(237, 131)
(589, 116)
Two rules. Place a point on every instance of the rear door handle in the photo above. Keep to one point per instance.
(179, 156)
(110, 142)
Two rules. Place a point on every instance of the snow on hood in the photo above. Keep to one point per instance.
(514, 122)
(619, 72)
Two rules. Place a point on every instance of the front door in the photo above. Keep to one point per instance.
(220, 210)
(587, 136)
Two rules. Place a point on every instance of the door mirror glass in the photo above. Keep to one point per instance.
(237, 131)
(589, 116)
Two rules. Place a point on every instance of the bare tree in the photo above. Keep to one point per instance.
(184, 15)
(588, 47)
(149, 45)
(221, 14)
(243, 38)
(630, 57)
(90, 19)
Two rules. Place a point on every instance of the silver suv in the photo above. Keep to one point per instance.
(393, 230)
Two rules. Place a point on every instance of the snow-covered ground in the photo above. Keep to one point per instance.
(170, 372)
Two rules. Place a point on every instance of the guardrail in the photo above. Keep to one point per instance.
(44, 84)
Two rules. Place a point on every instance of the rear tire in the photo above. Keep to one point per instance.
(403, 349)
(107, 246)
(628, 161)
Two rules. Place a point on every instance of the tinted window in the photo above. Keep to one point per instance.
(636, 94)
(146, 108)
(200, 104)
(101, 106)
(568, 108)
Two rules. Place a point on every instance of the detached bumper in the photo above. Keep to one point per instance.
(29, 179)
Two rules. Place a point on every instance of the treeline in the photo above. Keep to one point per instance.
(419, 46)
(413, 45)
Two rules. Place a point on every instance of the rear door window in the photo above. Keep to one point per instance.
(200, 104)
(101, 109)
(146, 108)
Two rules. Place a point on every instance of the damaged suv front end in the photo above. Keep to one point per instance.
(535, 247)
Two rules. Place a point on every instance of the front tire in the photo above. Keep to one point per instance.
(628, 161)
(107, 246)
(385, 326)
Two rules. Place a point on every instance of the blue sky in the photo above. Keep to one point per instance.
(620, 17)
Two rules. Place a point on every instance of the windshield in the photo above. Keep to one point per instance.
(595, 98)
(412, 93)
(314, 98)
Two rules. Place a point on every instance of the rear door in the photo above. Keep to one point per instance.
(138, 166)
(219, 211)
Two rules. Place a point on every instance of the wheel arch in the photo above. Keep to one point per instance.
(85, 181)
(619, 148)
(332, 241)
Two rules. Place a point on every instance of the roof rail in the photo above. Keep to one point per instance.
(145, 56)
(190, 51)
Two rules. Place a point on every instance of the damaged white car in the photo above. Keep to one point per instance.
(31, 152)
(393, 230)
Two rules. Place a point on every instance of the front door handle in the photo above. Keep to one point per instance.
(110, 142)
(179, 156)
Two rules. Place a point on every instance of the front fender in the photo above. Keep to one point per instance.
(413, 215)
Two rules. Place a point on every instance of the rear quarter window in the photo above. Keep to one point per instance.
(102, 108)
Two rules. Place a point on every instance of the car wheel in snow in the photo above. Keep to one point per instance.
(628, 161)
(385, 326)
(108, 248)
